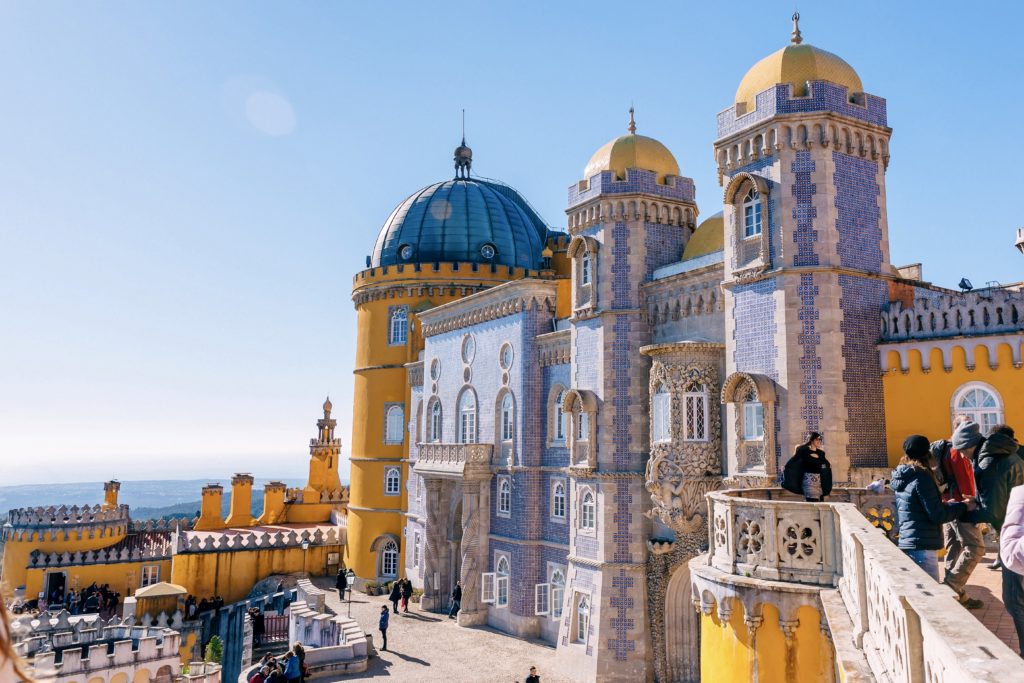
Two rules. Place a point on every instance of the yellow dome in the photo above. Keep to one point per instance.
(632, 151)
(796, 64)
(708, 238)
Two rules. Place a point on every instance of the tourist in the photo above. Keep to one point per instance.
(961, 538)
(396, 594)
(808, 472)
(1011, 543)
(300, 653)
(383, 625)
(456, 600)
(341, 583)
(920, 511)
(292, 669)
(533, 677)
(406, 585)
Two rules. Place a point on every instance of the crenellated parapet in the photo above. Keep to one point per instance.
(937, 314)
(119, 553)
(65, 522)
(259, 540)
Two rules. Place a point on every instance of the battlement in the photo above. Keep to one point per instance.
(637, 181)
(934, 314)
(455, 270)
(259, 538)
(138, 547)
(63, 516)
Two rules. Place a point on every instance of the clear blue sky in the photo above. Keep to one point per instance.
(187, 188)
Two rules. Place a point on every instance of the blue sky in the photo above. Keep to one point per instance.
(186, 189)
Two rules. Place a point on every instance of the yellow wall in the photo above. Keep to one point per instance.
(123, 577)
(728, 656)
(16, 553)
(918, 402)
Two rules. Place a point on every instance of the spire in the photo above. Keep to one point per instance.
(327, 407)
(632, 122)
(463, 154)
(796, 38)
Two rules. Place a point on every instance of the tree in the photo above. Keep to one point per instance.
(214, 650)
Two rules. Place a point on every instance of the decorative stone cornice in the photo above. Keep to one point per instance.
(497, 302)
(553, 348)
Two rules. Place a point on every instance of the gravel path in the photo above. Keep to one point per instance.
(423, 646)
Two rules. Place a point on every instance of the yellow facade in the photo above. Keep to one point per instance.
(920, 400)
(17, 550)
(123, 577)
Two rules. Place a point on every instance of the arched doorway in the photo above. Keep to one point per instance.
(682, 629)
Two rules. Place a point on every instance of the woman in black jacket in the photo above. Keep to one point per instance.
(919, 507)
(816, 472)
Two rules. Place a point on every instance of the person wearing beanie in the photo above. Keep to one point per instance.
(952, 461)
(920, 511)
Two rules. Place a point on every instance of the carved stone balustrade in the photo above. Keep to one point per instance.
(453, 460)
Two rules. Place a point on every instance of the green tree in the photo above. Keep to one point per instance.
(214, 650)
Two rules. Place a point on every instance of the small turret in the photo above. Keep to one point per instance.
(241, 500)
(323, 461)
(110, 490)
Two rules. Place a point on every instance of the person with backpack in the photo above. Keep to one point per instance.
(808, 472)
(920, 511)
(962, 539)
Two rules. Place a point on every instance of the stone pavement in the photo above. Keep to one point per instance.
(423, 646)
(987, 585)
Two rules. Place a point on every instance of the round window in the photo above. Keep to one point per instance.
(435, 369)
(468, 349)
(505, 357)
(487, 251)
(405, 251)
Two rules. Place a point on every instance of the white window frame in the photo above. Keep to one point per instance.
(661, 415)
(501, 581)
(487, 593)
(586, 267)
(557, 591)
(581, 618)
(416, 549)
(542, 599)
(148, 575)
(504, 496)
(394, 424)
(751, 209)
(561, 421)
(582, 425)
(398, 326)
(392, 481)
(588, 512)
(508, 418)
(467, 417)
(559, 503)
(753, 421)
(436, 421)
(986, 416)
(699, 401)
(388, 551)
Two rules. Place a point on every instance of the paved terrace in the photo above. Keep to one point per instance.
(987, 585)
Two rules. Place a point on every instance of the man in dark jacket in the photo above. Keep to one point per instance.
(396, 595)
(341, 583)
(456, 600)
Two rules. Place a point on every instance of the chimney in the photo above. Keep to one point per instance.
(210, 515)
(241, 500)
(273, 503)
(110, 490)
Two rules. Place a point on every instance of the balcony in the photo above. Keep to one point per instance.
(453, 460)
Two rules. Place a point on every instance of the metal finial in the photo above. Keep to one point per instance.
(463, 127)
(632, 122)
(796, 38)
(463, 154)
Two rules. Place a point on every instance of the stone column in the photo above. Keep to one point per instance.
(436, 545)
(474, 559)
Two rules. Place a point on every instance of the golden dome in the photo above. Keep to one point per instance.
(796, 64)
(632, 151)
(708, 238)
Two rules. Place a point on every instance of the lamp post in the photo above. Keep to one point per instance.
(305, 549)
(351, 576)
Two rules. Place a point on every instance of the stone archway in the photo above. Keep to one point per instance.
(682, 629)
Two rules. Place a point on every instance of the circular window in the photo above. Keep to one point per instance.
(467, 375)
(488, 251)
(435, 368)
(505, 356)
(468, 349)
(405, 251)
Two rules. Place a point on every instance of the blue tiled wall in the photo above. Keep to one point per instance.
(861, 300)
(810, 364)
(754, 334)
(804, 213)
(856, 201)
(638, 180)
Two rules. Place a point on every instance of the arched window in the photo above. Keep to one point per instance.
(392, 481)
(661, 415)
(507, 418)
(435, 421)
(752, 213)
(582, 618)
(467, 417)
(979, 403)
(585, 267)
(753, 421)
(558, 500)
(399, 325)
(389, 559)
(582, 424)
(394, 424)
(695, 414)
(504, 496)
(559, 416)
(557, 593)
(501, 582)
(588, 512)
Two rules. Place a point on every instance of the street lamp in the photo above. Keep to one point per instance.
(351, 577)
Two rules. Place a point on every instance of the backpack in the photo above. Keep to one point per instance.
(793, 476)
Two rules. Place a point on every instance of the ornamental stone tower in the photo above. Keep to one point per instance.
(802, 155)
(631, 213)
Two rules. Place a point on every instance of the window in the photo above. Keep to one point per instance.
(695, 414)
(501, 582)
(435, 421)
(435, 369)
(979, 403)
(487, 587)
(399, 325)
(504, 496)
(389, 559)
(507, 421)
(416, 549)
(392, 481)
(583, 422)
(150, 574)
(661, 415)
(557, 582)
(582, 618)
(467, 417)
(753, 421)
(752, 214)
(588, 513)
(585, 268)
(558, 500)
(542, 599)
(394, 424)
(468, 349)
(505, 360)
(559, 417)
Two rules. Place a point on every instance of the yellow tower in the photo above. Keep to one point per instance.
(446, 241)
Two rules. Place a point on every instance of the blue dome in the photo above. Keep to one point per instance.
(467, 220)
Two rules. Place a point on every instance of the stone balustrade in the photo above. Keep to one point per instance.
(119, 648)
(202, 672)
(937, 314)
(284, 538)
(34, 634)
(451, 459)
(311, 595)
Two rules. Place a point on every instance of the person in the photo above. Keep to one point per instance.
(259, 674)
(456, 600)
(406, 594)
(1011, 543)
(962, 539)
(533, 677)
(341, 583)
(11, 666)
(814, 469)
(920, 511)
(300, 653)
(383, 626)
(292, 670)
(396, 594)
(276, 674)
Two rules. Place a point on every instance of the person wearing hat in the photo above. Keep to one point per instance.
(962, 538)
(920, 511)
